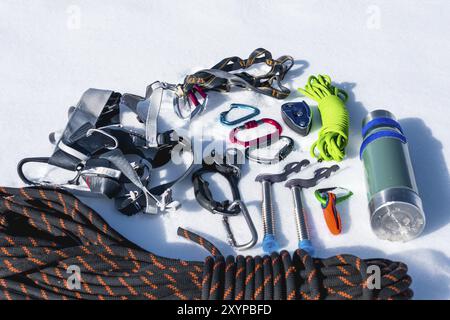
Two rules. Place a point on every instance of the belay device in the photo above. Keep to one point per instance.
(111, 158)
(297, 116)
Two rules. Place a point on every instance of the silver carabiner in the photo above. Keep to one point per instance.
(231, 239)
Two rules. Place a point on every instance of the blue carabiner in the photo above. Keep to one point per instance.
(223, 115)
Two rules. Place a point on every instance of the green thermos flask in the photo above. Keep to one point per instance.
(396, 211)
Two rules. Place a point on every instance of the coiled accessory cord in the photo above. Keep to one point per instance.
(333, 136)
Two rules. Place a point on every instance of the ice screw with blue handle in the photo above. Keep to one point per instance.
(296, 186)
(270, 244)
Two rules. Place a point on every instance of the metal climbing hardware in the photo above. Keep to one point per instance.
(256, 153)
(328, 199)
(270, 244)
(190, 104)
(234, 106)
(267, 139)
(227, 208)
(297, 116)
(296, 186)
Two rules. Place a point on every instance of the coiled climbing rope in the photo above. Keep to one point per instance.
(45, 231)
(285, 277)
(333, 135)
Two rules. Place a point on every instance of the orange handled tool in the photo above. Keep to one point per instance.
(328, 201)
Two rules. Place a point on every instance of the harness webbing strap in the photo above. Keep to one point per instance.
(221, 78)
(44, 232)
(118, 160)
(84, 147)
(151, 105)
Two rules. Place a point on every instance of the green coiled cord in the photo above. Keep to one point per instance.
(333, 136)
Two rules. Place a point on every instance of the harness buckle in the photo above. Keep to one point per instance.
(298, 116)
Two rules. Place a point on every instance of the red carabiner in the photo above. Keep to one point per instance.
(190, 104)
(253, 124)
(193, 97)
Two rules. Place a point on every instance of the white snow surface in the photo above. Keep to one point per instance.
(387, 54)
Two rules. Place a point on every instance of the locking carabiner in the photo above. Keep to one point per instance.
(328, 201)
(223, 116)
(269, 138)
(282, 153)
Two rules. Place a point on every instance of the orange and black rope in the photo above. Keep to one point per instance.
(45, 231)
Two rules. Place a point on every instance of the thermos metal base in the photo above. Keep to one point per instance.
(397, 214)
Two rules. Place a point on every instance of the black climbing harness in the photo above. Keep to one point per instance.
(228, 208)
(112, 145)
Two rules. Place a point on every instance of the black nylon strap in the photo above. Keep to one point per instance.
(263, 84)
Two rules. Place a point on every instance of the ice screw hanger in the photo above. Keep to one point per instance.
(296, 186)
(270, 244)
(328, 201)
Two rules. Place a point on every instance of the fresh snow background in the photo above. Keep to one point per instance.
(387, 54)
